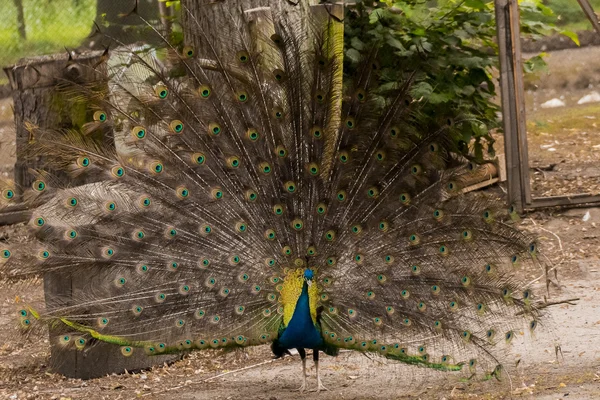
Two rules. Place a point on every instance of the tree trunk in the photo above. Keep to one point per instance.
(217, 20)
(165, 17)
(20, 19)
(123, 28)
(36, 101)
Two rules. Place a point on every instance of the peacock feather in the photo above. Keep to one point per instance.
(250, 200)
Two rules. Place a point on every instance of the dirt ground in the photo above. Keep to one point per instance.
(562, 360)
(564, 142)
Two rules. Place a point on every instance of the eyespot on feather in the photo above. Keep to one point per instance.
(138, 132)
(83, 162)
(204, 91)
(188, 52)
(176, 126)
(242, 56)
(100, 116)
(161, 91)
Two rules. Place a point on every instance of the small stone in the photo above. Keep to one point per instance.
(590, 98)
(553, 103)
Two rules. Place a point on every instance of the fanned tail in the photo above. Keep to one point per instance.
(233, 171)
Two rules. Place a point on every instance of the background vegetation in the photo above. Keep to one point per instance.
(569, 15)
(448, 48)
(451, 43)
(51, 25)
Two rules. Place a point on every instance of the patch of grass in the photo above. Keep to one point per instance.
(564, 120)
(50, 27)
(569, 14)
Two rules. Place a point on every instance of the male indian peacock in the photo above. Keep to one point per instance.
(256, 197)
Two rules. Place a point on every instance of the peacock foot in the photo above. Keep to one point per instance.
(302, 388)
(320, 387)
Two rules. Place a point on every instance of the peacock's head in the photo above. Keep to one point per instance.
(308, 276)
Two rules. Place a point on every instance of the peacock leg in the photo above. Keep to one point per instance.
(302, 353)
(316, 360)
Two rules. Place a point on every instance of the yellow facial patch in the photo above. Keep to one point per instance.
(291, 291)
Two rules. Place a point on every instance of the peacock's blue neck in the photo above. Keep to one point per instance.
(301, 331)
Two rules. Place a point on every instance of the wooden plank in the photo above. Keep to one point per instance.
(479, 176)
(510, 135)
(480, 185)
(501, 163)
(519, 100)
(567, 200)
(513, 109)
(590, 14)
(478, 173)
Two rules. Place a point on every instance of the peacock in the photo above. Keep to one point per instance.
(265, 196)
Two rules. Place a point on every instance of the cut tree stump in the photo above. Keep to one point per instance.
(36, 101)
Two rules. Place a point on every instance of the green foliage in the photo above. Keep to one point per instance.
(569, 14)
(50, 26)
(448, 49)
(537, 20)
(176, 4)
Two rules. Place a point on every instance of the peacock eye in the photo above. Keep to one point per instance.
(100, 116)
(243, 56)
(188, 52)
(279, 75)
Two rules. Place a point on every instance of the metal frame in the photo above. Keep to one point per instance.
(513, 109)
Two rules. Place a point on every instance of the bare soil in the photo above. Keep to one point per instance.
(564, 142)
(562, 360)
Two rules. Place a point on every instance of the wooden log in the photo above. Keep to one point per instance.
(478, 176)
(96, 359)
(33, 82)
